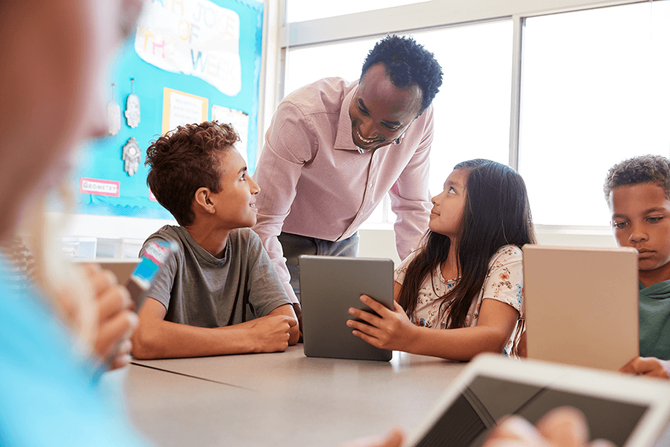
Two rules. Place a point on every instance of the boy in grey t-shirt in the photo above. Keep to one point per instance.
(219, 293)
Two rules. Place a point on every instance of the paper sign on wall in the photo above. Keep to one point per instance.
(239, 121)
(181, 108)
(99, 187)
(194, 37)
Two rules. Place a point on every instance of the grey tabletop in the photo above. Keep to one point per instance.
(280, 399)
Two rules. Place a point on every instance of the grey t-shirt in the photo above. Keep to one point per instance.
(200, 290)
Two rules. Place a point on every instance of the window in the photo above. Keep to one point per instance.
(300, 10)
(342, 59)
(594, 91)
(593, 86)
(473, 106)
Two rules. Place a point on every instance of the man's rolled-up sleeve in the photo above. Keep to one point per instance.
(289, 144)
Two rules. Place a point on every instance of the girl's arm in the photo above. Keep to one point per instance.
(393, 330)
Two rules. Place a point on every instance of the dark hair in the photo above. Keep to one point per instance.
(496, 213)
(407, 63)
(642, 169)
(184, 160)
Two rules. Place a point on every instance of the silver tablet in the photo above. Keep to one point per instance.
(329, 286)
(627, 410)
(581, 305)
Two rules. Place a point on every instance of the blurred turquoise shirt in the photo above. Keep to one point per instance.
(46, 394)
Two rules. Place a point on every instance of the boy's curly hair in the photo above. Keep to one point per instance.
(641, 169)
(407, 63)
(184, 160)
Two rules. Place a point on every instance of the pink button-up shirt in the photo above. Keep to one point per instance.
(315, 183)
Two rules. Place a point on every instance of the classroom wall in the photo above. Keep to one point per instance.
(380, 243)
(426, 14)
(116, 236)
(376, 241)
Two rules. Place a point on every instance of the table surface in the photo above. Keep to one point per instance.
(280, 399)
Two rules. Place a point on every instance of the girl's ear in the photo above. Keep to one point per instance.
(203, 201)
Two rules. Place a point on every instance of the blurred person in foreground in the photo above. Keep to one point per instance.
(56, 331)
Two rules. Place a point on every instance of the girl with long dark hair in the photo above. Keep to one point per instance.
(467, 277)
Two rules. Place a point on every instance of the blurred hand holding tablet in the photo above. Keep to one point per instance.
(626, 410)
(137, 276)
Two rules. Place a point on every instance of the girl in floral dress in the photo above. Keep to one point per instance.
(461, 293)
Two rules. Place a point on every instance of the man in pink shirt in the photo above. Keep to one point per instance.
(335, 148)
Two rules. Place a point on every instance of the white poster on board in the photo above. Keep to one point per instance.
(239, 121)
(180, 108)
(194, 37)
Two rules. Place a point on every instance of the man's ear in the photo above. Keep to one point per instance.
(203, 200)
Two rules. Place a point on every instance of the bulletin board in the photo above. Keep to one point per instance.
(189, 61)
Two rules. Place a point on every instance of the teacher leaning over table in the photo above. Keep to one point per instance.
(335, 148)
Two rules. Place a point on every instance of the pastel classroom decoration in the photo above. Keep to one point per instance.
(188, 61)
(194, 37)
(113, 115)
(133, 107)
(131, 156)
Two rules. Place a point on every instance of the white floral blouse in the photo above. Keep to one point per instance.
(504, 282)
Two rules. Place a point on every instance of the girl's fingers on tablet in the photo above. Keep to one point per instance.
(366, 338)
(373, 304)
(361, 327)
(365, 316)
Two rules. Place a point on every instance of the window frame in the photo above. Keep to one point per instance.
(280, 36)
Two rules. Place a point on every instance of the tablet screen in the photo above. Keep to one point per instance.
(470, 417)
(329, 286)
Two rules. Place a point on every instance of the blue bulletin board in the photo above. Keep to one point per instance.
(207, 52)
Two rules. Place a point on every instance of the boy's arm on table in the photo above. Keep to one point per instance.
(294, 331)
(156, 338)
(393, 330)
(266, 289)
(647, 366)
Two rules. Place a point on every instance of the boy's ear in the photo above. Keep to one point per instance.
(203, 201)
